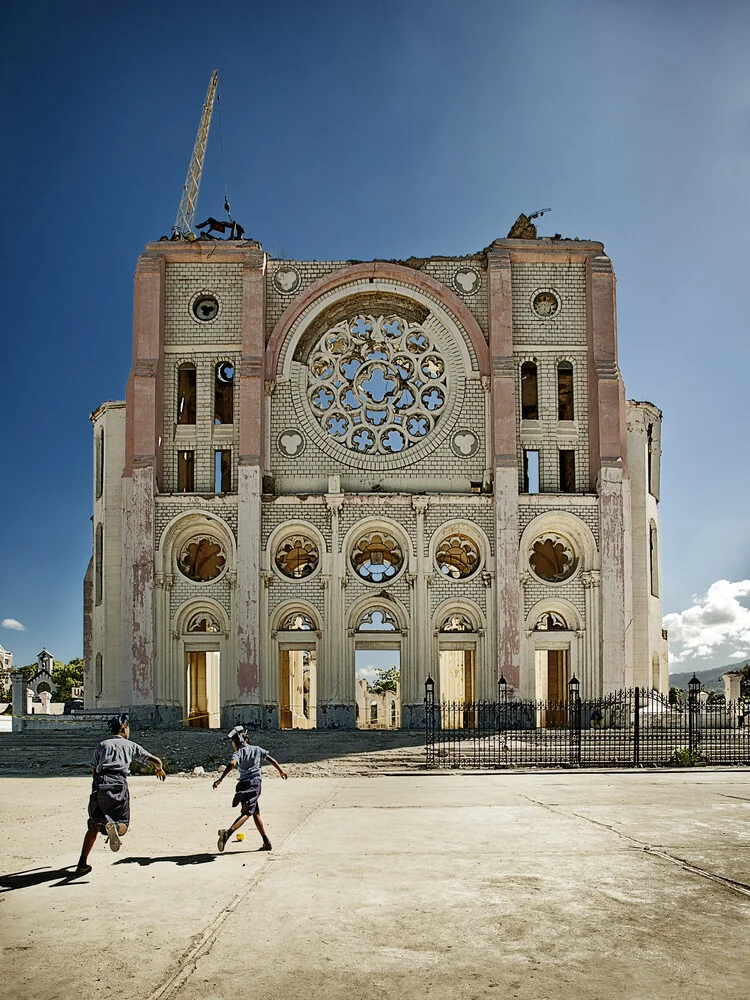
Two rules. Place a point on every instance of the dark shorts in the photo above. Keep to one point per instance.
(246, 794)
(109, 800)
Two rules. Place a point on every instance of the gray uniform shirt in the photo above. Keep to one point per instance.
(114, 756)
(249, 759)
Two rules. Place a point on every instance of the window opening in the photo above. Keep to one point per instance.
(99, 463)
(565, 391)
(377, 557)
(456, 623)
(185, 471)
(529, 395)
(297, 689)
(458, 556)
(649, 459)
(297, 557)
(531, 471)
(202, 622)
(377, 620)
(550, 621)
(654, 559)
(224, 393)
(186, 393)
(567, 471)
(378, 687)
(98, 676)
(222, 472)
(297, 621)
(98, 563)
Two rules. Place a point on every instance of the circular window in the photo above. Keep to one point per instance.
(225, 371)
(297, 557)
(201, 560)
(545, 303)
(377, 385)
(553, 558)
(377, 557)
(458, 556)
(206, 308)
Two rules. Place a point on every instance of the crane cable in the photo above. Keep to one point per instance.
(227, 209)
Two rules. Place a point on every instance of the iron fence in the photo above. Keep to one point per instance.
(628, 728)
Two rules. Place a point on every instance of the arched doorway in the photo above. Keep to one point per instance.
(296, 638)
(377, 664)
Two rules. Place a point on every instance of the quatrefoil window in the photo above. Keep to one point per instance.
(553, 558)
(297, 557)
(202, 559)
(377, 620)
(297, 621)
(377, 557)
(377, 385)
(458, 556)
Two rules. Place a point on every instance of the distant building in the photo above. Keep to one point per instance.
(6, 665)
(442, 445)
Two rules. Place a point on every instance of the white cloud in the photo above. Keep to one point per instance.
(12, 623)
(368, 673)
(714, 620)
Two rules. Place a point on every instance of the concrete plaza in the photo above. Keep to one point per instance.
(507, 885)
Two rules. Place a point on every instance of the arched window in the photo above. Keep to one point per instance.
(98, 563)
(377, 620)
(186, 393)
(565, 391)
(224, 393)
(203, 622)
(297, 621)
(550, 621)
(529, 394)
(456, 622)
(98, 676)
(99, 462)
(653, 545)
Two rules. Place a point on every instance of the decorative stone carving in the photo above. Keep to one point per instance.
(552, 558)
(466, 280)
(377, 556)
(297, 556)
(545, 303)
(286, 280)
(457, 556)
(291, 443)
(420, 504)
(464, 443)
(202, 559)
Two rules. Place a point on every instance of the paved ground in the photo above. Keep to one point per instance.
(505, 885)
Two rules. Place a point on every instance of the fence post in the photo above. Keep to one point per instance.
(637, 729)
(429, 719)
(694, 686)
(574, 701)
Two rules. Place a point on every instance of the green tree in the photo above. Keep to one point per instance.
(386, 680)
(67, 676)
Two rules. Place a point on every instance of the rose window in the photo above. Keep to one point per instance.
(377, 385)
(552, 558)
(377, 557)
(202, 559)
(297, 557)
(457, 556)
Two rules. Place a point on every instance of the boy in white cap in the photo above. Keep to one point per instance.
(249, 759)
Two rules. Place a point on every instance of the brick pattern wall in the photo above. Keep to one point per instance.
(568, 327)
(308, 270)
(183, 281)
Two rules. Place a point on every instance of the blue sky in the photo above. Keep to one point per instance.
(379, 129)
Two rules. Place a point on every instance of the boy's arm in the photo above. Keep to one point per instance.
(278, 766)
(161, 774)
(227, 769)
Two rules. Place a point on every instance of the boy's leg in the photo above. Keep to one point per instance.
(261, 830)
(89, 840)
(224, 835)
(114, 832)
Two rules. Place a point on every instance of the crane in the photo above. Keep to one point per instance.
(183, 226)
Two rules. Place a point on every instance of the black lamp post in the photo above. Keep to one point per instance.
(502, 689)
(694, 687)
(574, 688)
(429, 690)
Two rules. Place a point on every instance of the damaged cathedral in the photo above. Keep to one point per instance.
(433, 457)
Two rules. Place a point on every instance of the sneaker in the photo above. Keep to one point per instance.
(222, 842)
(266, 845)
(113, 836)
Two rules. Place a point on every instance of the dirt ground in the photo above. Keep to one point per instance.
(521, 885)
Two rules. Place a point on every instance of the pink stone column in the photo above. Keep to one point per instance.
(505, 465)
(609, 471)
(143, 423)
(249, 486)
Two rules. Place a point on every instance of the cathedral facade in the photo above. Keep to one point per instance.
(315, 459)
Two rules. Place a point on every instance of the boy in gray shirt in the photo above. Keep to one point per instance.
(249, 759)
(109, 802)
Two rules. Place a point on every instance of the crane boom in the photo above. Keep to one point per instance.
(189, 202)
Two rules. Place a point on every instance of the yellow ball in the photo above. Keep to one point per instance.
(240, 836)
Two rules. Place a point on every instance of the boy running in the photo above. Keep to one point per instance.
(249, 759)
(109, 803)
